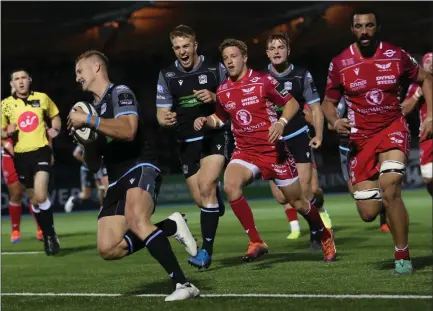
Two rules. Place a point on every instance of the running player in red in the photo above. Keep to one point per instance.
(368, 74)
(247, 99)
(414, 98)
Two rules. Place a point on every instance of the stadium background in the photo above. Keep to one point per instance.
(47, 37)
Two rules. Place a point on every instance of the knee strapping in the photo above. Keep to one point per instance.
(369, 194)
(390, 166)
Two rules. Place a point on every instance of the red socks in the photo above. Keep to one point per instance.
(15, 215)
(291, 214)
(316, 223)
(243, 212)
(401, 253)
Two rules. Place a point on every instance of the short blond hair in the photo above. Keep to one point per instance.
(234, 43)
(182, 31)
(93, 53)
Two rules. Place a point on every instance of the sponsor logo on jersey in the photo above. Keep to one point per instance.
(35, 103)
(273, 80)
(189, 101)
(358, 84)
(356, 71)
(250, 101)
(28, 121)
(383, 80)
(126, 99)
(180, 82)
(170, 74)
(384, 67)
(255, 79)
(374, 97)
(230, 105)
(280, 168)
(389, 53)
(288, 85)
(244, 117)
(331, 67)
(202, 79)
(248, 90)
(160, 88)
(228, 94)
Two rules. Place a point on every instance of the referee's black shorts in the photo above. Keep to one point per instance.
(27, 164)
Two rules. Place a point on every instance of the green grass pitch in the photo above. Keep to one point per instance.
(364, 266)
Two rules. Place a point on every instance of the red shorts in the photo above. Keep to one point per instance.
(364, 153)
(268, 166)
(426, 152)
(8, 169)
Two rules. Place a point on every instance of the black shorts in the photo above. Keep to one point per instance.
(191, 153)
(86, 177)
(101, 173)
(144, 177)
(300, 149)
(344, 160)
(27, 164)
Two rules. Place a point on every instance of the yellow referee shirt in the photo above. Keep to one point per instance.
(28, 114)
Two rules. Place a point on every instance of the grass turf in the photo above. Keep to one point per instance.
(364, 266)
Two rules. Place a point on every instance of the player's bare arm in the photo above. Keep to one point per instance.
(342, 126)
(410, 103)
(211, 121)
(122, 128)
(289, 111)
(317, 117)
(308, 116)
(165, 117)
(9, 130)
(427, 88)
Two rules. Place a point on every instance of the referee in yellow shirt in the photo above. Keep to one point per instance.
(23, 119)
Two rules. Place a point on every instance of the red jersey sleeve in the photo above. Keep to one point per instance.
(409, 65)
(334, 87)
(220, 112)
(413, 88)
(275, 91)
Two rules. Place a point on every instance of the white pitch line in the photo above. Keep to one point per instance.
(327, 296)
(20, 253)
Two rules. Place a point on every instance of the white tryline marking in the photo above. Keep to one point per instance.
(20, 253)
(327, 296)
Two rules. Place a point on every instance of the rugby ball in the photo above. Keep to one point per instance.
(85, 135)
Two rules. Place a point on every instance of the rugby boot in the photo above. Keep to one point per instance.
(403, 267)
(255, 250)
(183, 234)
(15, 236)
(183, 292)
(202, 260)
(328, 247)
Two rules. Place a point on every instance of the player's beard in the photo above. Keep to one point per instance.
(370, 50)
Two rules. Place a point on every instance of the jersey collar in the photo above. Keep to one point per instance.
(23, 99)
(96, 102)
(285, 73)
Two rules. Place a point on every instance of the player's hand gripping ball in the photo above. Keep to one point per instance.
(78, 115)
